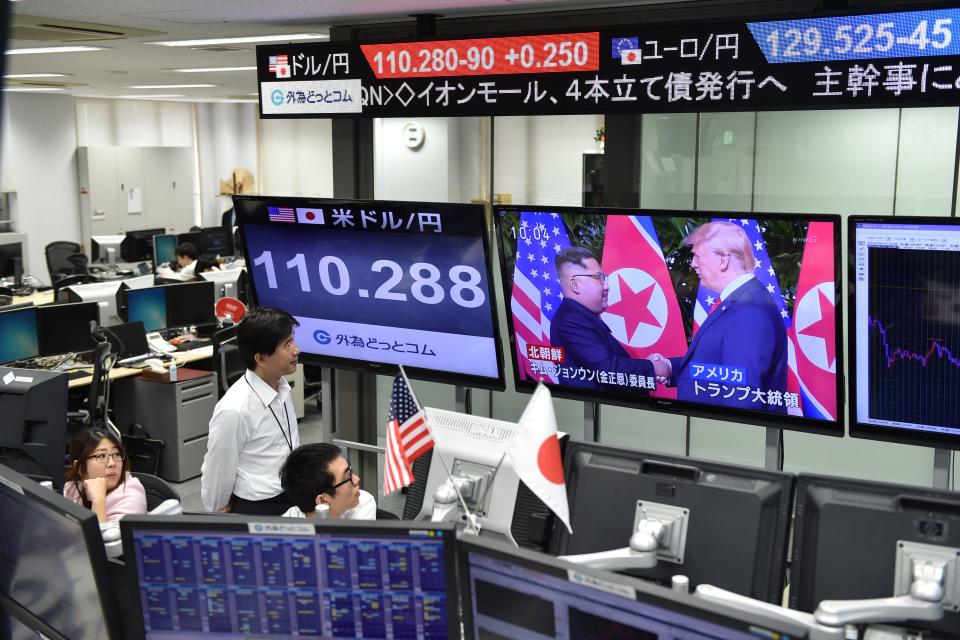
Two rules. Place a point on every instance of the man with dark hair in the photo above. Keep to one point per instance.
(319, 481)
(577, 327)
(187, 255)
(254, 426)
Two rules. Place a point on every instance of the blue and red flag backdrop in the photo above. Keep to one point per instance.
(642, 312)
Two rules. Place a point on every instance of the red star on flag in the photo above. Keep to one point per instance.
(634, 307)
(825, 327)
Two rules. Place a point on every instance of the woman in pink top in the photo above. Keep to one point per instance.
(99, 476)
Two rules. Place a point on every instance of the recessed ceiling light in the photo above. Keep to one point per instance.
(30, 89)
(20, 76)
(71, 49)
(147, 96)
(213, 69)
(171, 86)
(283, 37)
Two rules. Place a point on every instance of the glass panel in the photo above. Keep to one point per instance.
(928, 139)
(669, 161)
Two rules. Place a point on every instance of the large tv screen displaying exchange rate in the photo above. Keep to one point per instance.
(905, 329)
(736, 318)
(379, 284)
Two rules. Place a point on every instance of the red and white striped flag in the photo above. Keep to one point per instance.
(408, 435)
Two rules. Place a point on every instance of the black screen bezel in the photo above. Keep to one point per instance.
(832, 428)
(252, 209)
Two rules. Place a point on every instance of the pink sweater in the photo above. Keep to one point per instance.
(128, 498)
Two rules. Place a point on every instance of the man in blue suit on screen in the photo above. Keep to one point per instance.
(578, 329)
(739, 353)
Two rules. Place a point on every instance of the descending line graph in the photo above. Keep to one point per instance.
(892, 355)
(913, 346)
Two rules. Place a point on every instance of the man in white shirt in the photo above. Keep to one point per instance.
(254, 426)
(321, 484)
(187, 255)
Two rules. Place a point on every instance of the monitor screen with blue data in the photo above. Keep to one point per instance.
(376, 284)
(240, 577)
(19, 330)
(727, 318)
(171, 306)
(164, 248)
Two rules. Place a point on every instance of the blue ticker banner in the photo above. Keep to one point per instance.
(911, 34)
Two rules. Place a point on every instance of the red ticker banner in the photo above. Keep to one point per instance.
(893, 59)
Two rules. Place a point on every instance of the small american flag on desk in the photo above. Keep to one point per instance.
(408, 435)
(281, 214)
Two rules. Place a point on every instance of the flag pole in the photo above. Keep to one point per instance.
(473, 525)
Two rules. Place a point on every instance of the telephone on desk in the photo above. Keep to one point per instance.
(158, 345)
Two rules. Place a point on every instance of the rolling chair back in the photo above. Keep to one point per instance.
(64, 259)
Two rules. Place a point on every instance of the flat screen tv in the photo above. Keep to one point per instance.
(905, 329)
(729, 318)
(376, 284)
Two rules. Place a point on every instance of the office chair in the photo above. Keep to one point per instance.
(63, 259)
(383, 514)
(157, 489)
(226, 358)
(94, 414)
(66, 281)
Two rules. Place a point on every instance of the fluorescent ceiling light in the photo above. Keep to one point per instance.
(283, 37)
(30, 89)
(20, 76)
(147, 96)
(71, 49)
(213, 69)
(171, 86)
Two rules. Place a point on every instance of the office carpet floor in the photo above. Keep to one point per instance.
(311, 430)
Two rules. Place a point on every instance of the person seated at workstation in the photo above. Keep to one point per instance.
(187, 255)
(320, 482)
(99, 478)
(254, 426)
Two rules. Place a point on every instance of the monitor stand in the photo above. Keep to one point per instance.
(942, 468)
(463, 399)
(773, 450)
(591, 421)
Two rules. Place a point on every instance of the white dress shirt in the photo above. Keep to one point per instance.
(248, 443)
(186, 273)
(365, 510)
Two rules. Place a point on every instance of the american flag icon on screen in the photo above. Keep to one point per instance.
(281, 214)
(277, 60)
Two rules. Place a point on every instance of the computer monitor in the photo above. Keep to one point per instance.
(194, 237)
(148, 306)
(216, 241)
(516, 593)
(729, 524)
(164, 248)
(378, 284)
(54, 575)
(19, 330)
(65, 328)
(128, 339)
(226, 282)
(137, 246)
(281, 577)
(905, 329)
(103, 293)
(472, 448)
(766, 355)
(850, 536)
(33, 439)
(11, 260)
(105, 249)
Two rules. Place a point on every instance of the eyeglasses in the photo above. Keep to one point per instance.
(600, 276)
(102, 458)
(350, 477)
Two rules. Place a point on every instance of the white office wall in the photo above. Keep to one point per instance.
(39, 163)
(295, 158)
(133, 123)
(226, 140)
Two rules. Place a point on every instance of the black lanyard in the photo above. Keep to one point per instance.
(288, 435)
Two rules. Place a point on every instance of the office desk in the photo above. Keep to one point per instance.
(37, 298)
(182, 358)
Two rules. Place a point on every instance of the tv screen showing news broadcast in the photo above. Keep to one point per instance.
(905, 329)
(377, 284)
(708, 315)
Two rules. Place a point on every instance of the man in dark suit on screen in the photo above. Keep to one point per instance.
(578, 329)
(740, 350)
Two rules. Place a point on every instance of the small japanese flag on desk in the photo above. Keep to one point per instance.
(535, 454)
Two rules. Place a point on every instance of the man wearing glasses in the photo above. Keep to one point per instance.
(577, 328)
(321, 484)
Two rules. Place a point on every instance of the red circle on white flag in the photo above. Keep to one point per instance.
(548, 460)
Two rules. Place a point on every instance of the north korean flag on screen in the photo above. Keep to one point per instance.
(643, 313)
(814, 331)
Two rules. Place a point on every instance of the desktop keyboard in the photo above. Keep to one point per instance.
(134, 359)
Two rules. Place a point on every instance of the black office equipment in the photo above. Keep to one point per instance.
(33, 439)
(731, 522)
(18, 326)
(129, 340)
(65, 328)
(138, 245)
(54, 575)
(171, 306)
(283, 577)
(216, 241)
